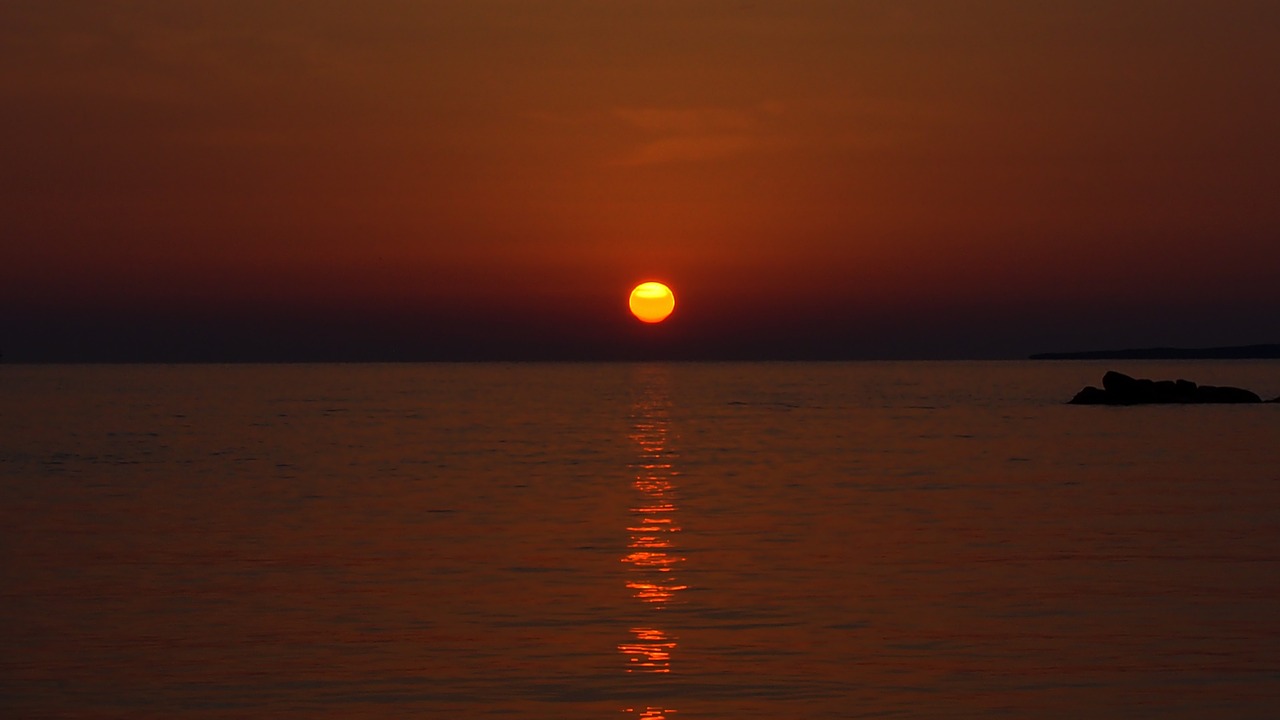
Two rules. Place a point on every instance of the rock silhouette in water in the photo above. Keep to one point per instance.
(1120, 389)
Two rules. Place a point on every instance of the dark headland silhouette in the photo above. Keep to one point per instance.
(1235, 352)
(1120, 389)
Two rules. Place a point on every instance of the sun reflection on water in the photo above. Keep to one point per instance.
(652, 713)
(652, 554)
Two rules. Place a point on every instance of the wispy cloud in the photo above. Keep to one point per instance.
(697, 134)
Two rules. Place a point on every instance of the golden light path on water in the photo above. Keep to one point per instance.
(652, 552)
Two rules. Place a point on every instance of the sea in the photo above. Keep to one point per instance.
(635, 541)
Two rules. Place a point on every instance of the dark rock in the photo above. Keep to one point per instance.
(1119, 384)
(1121, 389)
(1092, 396)
(1211, 394)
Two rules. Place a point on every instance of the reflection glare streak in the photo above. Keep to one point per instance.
(652, 713)
(652, 554)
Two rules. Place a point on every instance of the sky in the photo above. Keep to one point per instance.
(242, 180)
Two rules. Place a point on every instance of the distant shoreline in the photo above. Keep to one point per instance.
(1235, 352)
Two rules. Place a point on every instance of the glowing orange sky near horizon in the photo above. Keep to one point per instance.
(837, 160)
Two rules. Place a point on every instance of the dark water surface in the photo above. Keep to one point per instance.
(644, 541)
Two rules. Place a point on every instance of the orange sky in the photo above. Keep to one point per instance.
(398, 179)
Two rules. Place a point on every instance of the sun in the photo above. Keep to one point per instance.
(652, 302)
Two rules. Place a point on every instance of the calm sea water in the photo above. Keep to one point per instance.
(635, 541)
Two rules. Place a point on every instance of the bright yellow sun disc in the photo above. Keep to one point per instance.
(652, 302)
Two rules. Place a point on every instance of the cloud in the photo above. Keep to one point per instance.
(698, 134)
(692, 148)
(686, 120)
